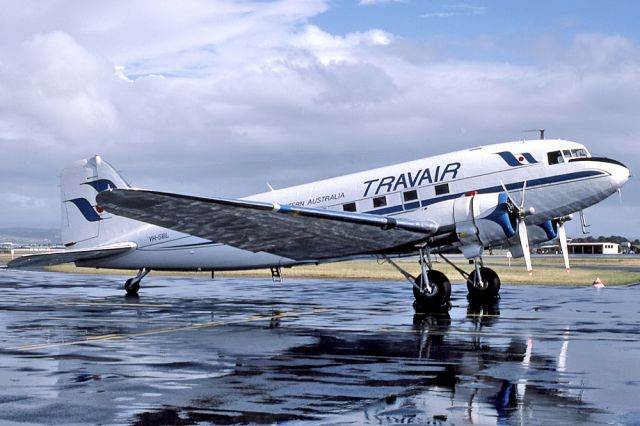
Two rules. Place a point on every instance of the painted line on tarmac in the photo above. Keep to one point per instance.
(35, 302)
(211, 324)
(133, 320)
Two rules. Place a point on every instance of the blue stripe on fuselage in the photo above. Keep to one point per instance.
(412, 205)
(387, 210)
(543, 181)
(511, 186)
(509, 158)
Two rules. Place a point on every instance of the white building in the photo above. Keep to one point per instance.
(594, 248)
(581, 248)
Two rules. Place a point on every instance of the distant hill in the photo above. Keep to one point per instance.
(29, 236)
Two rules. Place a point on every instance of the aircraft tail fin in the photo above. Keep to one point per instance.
(84, 223)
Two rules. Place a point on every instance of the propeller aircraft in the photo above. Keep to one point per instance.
(510, 195)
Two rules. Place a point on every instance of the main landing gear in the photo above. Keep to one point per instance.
(483, 284)
(132, 285)
(432, 289)
(434, 292)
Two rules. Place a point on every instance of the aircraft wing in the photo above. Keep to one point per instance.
(299, 233)
(67, 256)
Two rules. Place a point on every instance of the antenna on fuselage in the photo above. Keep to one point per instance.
(541, 131)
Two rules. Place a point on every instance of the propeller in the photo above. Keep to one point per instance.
(620, 196)
(522, 227)
(562, 236)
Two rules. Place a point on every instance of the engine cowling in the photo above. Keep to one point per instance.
(483, 220)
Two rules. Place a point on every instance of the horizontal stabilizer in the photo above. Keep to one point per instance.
(294, 232)
(68, 256)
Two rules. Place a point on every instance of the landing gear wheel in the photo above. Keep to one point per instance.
(440, 293)
(488, 289)
(132, 287)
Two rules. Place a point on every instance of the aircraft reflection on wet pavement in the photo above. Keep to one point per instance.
(309, 353)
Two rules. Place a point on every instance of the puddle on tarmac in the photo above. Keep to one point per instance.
(235, 351)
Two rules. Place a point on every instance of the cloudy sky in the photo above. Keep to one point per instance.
(218, 97)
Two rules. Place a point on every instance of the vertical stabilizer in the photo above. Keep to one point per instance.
(84, 224)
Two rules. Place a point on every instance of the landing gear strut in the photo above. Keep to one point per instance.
(431, 289)
(132, 285)
(433, 292)
(483, 283)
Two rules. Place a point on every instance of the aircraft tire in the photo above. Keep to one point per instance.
(490, 289)
(440, 295)
(131, 287)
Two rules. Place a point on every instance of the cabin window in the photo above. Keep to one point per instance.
(349, 207)
(410, 195)
(555, 157)
(442, 189)
(379, 202)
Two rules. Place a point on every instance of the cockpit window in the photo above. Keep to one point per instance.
(577, 153)
(555, 157)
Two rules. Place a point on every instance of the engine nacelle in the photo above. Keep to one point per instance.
(483, 220)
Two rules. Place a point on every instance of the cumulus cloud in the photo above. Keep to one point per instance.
(217, 98)
(23, 202)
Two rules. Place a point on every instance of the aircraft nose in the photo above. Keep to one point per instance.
(619, 173)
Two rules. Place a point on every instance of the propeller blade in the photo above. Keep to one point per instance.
(508, 195)
(620, 196)
(522, 227)
(562, 236)
(524, 242)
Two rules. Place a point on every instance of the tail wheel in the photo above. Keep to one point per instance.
(440, 291)
(131, 286)
(486, 289)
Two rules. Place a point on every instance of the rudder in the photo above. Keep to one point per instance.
(84, 224)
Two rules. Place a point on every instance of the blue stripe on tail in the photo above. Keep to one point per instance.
(101, 185)
(86, 209)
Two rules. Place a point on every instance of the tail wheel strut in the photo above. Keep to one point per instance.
(132, 285)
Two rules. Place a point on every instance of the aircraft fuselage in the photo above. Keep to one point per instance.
(561, 178)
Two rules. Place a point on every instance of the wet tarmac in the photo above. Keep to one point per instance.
(74, 350)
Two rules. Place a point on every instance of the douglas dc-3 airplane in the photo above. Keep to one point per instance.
(505, 195)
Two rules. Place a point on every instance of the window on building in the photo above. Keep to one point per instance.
(349, 207)
(379, 202)
(410, 195)
(442, 189)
